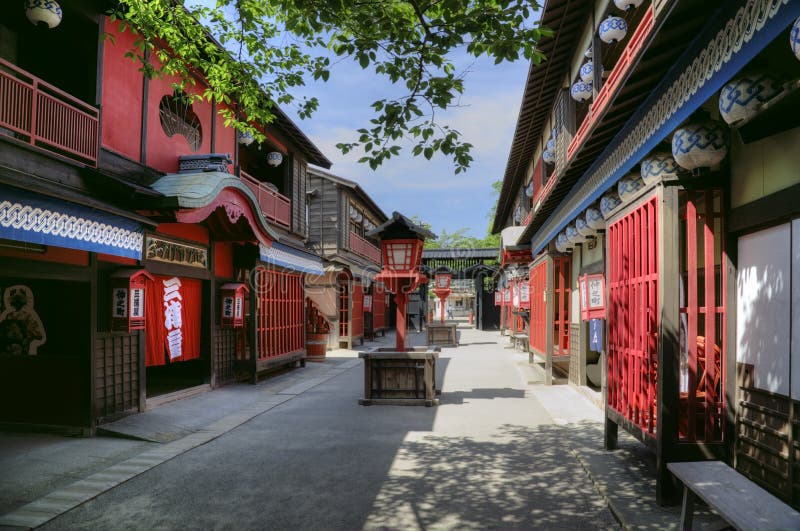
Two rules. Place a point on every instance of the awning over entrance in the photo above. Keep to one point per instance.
(210, 195)
(33, 218)
(288, 257)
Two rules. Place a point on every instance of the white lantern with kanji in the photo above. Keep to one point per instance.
(128, 295)
(232, 295)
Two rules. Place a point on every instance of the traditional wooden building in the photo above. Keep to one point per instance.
(656, 153)
(146, 247)
(340, 213)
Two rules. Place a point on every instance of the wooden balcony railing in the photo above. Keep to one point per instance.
(42, 115)
(276, 207)
(362, 247)
(613, 83)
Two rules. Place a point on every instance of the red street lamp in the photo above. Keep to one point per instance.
(401, 249)
(442, 288)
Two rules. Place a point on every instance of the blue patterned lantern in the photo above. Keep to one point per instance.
(588, 53)
(628, 186)
(613, 29)
(549, 156)
(626, 5)
(551, 145)
(573, 237)
(245, 137)
(529, 190)
(587, 72)
(583, 228)
(562, 243)
(581, 91)
(658, 166)
(594, 218)
(741, 98)
(43, 12)
(700, 145)
(274, 158)
(609, 202)
(794, 38)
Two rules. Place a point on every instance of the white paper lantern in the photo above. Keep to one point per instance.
(700, 145)
(581, 91)
(609, 202)
(658, 166)
(588, 53)
(741, 98)
(549, 156)
(43, 12)
(573, 237)
(613, 29)
(594, 218)
(625, 5)
(587, 72)
(274, 158)
(583, 228)
(628, 186)
(529, 190)
(245, 138)
(562, 243)
(794, 38)
(551, 144)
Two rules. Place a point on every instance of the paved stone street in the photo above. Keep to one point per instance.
(296, 451)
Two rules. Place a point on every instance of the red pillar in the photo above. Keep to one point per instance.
(401, 299)
(442, 308)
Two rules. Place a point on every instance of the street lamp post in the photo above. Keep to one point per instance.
(401, 250)
(442, 288)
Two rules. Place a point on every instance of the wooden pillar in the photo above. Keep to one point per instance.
(93, 302)
(667, 489)
(401, 299)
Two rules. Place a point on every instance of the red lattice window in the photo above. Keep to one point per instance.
(561, 285)
(633, 312)
(357, 320)
(538, 321)
(279, 316)
(702, 306)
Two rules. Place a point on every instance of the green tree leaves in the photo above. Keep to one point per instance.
(270, 47)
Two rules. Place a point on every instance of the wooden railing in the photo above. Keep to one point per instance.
(42, 115)
(362, 247)
(276, 207)
(613, 83)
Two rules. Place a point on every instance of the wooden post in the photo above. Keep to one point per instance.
(401, 299)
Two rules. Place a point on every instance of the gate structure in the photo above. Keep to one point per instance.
(549, 299)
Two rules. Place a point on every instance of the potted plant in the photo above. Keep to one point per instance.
(317, 329)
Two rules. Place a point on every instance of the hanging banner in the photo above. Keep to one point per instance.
(173, 320)
(367, 303)
(498, 298)
(592, 297)
(596, 335)
(525, 295)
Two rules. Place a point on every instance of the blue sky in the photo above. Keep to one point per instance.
(413, 185)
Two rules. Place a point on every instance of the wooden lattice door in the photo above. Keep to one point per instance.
(633, 315)
(561, 294)
(538, 319)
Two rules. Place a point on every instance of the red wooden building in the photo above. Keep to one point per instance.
(652, 169)
(144, 248)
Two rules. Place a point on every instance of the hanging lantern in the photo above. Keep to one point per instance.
(700, 145)
(573, 236)
(562, 243)
(594, 218)
(587, 72)
(741, 98)
(529, 190)
(274, 158)
(43, 13)
(551, 144)
(581, 91)
(232, 295)
(549, 156)
(583, 228)
(658, 166)
(609, 202)
(794, 38)
(613, 29)
(628, 186)
(588, 53)
(128, 292)
(554, 132)
(245, 138)
(626, 5)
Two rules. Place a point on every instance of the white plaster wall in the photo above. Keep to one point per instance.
(763, 327)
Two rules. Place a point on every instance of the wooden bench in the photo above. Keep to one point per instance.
(739, 501)
(520, 341)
